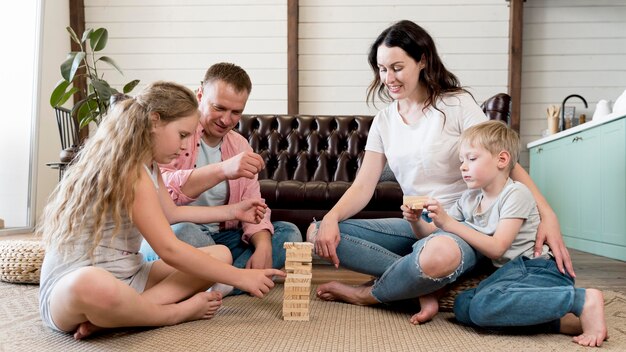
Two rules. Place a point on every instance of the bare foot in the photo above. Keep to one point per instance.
(202, 305)
(592, 320)
(85, 329)
(336, 291)
(429, 308)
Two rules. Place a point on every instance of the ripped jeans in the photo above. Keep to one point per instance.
(388, 249)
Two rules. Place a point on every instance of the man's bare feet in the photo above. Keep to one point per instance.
(202, 305)
(429, 307)
(85, 329)
(592, 320)
(336, 291)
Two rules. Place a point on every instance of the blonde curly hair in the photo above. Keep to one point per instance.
(100, 182)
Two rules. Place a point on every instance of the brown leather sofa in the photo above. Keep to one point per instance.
(312, 160)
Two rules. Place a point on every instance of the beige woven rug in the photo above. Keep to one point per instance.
(249, 324)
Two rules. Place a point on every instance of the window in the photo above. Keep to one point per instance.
(20, 30)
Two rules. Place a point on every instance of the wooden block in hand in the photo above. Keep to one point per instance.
(414, 202)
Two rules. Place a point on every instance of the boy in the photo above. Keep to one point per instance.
(499, 218)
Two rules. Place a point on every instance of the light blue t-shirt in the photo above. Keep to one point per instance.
(217, 194)
(514, 202)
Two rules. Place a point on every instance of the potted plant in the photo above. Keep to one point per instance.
(97, 92)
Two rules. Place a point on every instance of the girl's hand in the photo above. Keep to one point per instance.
(258, 282)
(438, 214)
(409, 214)
(327, 240)
(250, 210)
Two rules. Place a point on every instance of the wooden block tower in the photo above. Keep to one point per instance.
(298, 281)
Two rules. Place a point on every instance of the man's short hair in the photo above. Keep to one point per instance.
(229, 73)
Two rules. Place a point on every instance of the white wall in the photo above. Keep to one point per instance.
(570, 47)
(55, 46)
(178, 40)
(335, 36)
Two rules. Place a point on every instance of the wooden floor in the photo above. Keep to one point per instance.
(592, 271)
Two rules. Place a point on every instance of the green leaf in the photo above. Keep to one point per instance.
(58, 92)
(98, 39)
(73, 35)
(102, 88)
(130, 86)
(87, 111)
(86, 35)
(111, 62)
(71, 64)
(67, 96)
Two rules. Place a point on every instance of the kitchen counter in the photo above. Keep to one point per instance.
(576, 129)
(582, 174)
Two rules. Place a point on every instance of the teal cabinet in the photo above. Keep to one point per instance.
(583, 177)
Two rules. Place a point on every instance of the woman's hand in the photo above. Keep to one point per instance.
(250, 210)
(327, 240)
(549, 232)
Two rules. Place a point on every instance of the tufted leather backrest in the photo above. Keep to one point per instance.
(497, 107)
(307, 148)
(322, 148)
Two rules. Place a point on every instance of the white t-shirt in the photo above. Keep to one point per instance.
(217, 194)
(424, 156)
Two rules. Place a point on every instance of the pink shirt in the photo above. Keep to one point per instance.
(176, 173)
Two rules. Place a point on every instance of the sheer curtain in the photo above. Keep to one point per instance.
(20, 33)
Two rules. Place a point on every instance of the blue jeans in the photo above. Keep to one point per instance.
(388, 249)
(197, 235)
(522, 293)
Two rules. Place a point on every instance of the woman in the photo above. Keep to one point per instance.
(418, 135)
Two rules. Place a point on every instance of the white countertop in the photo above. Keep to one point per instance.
(576, 129)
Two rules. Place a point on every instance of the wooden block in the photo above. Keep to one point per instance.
(415, 202)
(1, 224)
(298, 267)
(298, 245)
(296, 297)
(297, 317)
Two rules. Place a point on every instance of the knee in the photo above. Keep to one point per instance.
(440, 257)
(90, 287)
(219, 252)
(191, 233)
(286, 232)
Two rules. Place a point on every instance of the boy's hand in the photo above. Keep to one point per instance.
(438, 214)
(409, 214)
(250, 210)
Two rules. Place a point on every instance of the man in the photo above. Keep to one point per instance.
(219, 167)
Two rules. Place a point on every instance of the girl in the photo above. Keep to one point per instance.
(93, 276)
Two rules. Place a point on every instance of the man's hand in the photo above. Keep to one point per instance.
(249, 210)
(244, 164)
(549, 232)
(262, 256)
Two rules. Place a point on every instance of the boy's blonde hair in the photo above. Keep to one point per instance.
(495, 137)
(100, 182)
